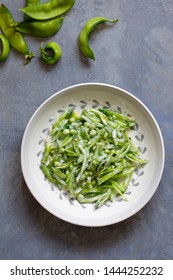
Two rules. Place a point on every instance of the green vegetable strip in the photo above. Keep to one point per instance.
(83, 164)
(91, 156)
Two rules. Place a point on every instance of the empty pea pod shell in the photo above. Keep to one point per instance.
(85, 32)
(48, 9)
(5, 48)
(42, 28)
(15, 39)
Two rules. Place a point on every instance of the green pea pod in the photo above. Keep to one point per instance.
(42, 28)
(48, 9)
(15, 39)
(28, 4)
(85, 32)
(32, 2)
(51, 53)
(5, 48)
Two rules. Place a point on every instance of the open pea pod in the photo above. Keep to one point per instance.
(48, 9)
(15, 38)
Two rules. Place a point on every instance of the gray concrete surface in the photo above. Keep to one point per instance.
(137, 55)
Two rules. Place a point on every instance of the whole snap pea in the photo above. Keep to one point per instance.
(30, 3)
(5, 48)
(51, 53)
(15, 39)
(48, 9)
(85, 32)
(42, 28)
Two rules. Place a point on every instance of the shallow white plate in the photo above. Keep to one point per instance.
(146, 135)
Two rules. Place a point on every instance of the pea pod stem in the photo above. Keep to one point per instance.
(85, 32)
(48, 9)
(28, 57)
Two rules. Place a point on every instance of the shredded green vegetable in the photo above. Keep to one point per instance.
(90, 155)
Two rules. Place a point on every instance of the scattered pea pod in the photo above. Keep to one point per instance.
(42, 20)
(85, 32)
(42, 28)
(15, 38)
(51, 53)
(5, 48)
(48, 9)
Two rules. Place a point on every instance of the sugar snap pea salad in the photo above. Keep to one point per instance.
(90, 155)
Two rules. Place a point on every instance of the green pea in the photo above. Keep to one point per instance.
(92, 125)
(5, 48)
(57, 163)
(72, 131)
(48, 9)
(93, 132)
(15, 38)
(72, 120)
(66, 131)
(85, 32)
(51, 53)
(42, 28)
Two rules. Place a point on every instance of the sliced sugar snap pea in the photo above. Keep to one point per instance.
(91, 168)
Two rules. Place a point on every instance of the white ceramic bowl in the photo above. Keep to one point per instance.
(147, 136)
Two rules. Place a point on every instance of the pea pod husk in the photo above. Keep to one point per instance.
(15, 39)
(48, 9)
(85, 32)
(42, 29)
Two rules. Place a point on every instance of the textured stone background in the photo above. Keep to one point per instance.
(137, 55)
